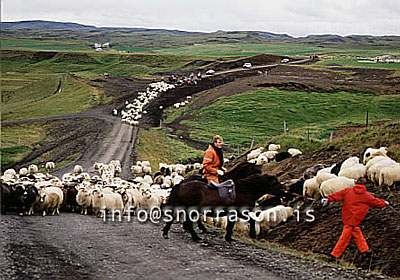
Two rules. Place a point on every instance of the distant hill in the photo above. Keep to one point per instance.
(43, 24)
(161, 38)
(52, 25)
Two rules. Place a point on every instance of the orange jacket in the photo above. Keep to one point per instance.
(211, 164)
(356, 202)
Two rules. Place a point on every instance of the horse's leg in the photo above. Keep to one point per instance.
(252, 228)
(189, 226)
(229, 230)
(201, 226)
(166, 229)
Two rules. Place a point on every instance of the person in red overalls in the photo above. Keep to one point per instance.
(213, 160)
(356, 202)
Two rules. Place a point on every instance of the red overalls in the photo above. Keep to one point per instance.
(356, 202)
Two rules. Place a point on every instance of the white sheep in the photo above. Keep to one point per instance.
(84, 200)
(273, 216)
(10, 173)
(243, 226)
(50, 165)
(255, 153)
(274, 147)
(23, 171)
(146, 163)
(150, 199)
(294, 152)
(261, 160)
(325, 170)
(323, 176)
(310, 187)
(51, 198)
(136, 169)
(136, 197)
(147, 178)
(375, 160)
(49, 201)
(389, 175)
(78, 169)
(146, 169)
(111, 202)
(197, 165)
(375, 169)
(270, 155)
(177, 179)
(334, 185)
(33, 168)
(372, 152)
(355, 172)
(350, 162)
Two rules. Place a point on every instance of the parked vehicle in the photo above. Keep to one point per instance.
(247, 65)
(210, 72)
(285, 60)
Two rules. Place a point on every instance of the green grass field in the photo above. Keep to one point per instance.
(261, 114)
(29, 80)
(156, 145)
(40, 99)
(18, 141)
(47, 44)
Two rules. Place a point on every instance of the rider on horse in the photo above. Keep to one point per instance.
(213, 160)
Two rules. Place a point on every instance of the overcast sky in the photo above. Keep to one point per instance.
(294, 17)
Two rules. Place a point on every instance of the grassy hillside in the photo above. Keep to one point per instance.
(156, 145)
(261, 114)
(30, 79)
(18, 141)
(41, 99)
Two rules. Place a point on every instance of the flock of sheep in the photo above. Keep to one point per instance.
(106, 192)
(376, 167)
(259, 157)
(103, 191)
(134, 110)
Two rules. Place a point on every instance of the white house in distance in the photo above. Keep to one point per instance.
(99, 47)
(387, 59)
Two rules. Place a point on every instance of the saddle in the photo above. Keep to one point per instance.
(226, 191)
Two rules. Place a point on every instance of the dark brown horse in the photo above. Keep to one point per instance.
(196, 195)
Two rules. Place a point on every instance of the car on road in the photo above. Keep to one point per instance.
(285, 60)
(247, 65)
(210, 72)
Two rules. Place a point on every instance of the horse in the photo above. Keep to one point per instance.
(195, 194)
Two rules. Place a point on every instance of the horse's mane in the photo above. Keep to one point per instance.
(259, 183)
(242, 170)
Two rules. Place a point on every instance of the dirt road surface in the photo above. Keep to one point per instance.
(71, 246)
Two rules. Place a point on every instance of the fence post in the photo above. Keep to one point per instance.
(252, 142)
(284, 127)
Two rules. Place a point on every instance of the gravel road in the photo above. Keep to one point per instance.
(84, 247)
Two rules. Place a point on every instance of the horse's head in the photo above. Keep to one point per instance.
(259, 185)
